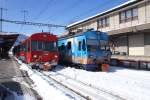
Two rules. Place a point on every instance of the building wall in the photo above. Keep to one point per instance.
(147, 44)
(121, 44)
(139, 44)
(143, 18)
(136, 44)
(148, 12)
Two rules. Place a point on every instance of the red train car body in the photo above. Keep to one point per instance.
(40, 47)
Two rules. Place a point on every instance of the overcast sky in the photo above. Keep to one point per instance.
(63, 12)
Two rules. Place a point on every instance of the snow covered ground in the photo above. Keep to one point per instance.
(46, 89)
(126, 83)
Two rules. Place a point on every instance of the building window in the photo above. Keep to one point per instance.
(103, 22)
(135, 13)
(107, 22)
(122, 17)
(129, 15)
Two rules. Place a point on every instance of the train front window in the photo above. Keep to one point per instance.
(92, 45)
(34, 45)
(40, 45)
(104, 45)
(50, 46)
(44, 45)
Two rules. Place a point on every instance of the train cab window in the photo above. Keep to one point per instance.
(40, 45)
(62, 46)
(79, 45)
(34, 45)
(83, 45)
(50, 46)
(92, 45)
(69, 45)
(104, 45)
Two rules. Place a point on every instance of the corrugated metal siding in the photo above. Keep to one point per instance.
(147, 44)
(136, 44)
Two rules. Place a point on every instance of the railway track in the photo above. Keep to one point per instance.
(64, 88)
(91, 86)
(75, 88)
(84, 89)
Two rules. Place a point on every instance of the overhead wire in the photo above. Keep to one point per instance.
(91, 10)
(44, 9)
(64, 10)
(24, 16)
(67, 9)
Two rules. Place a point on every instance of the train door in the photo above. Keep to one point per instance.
(28, 51)
(80, 50)
(84, 51)
(69, 50)
(62, 50)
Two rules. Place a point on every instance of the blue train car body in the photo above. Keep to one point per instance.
(89, 49)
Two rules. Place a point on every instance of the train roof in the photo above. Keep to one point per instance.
(79, 34)
(39, 33)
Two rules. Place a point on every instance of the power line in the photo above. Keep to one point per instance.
(91, 10)
(32, 23)
(44, 9)
(67, 9)
(24, 17)
(1, 17)
(24, 14)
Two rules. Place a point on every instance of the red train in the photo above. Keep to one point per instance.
(39, 47)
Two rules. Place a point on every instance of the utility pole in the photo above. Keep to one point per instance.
(24, 14)
(1, 18)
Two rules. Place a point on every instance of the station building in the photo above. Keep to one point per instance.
(128, 26)
(6, 42)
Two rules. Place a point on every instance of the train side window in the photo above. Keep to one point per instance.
(25, 47)
(79, 45)
(59, 48)
(69, 45)
(28, 46)
(83, 45)
(62, 47)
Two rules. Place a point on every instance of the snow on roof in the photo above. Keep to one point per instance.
(116, 7)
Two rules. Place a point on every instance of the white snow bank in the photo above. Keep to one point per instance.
(46, 91)
(127, 83)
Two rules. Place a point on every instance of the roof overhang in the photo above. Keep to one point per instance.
(7, 40)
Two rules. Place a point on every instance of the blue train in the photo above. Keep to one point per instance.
(88, 49)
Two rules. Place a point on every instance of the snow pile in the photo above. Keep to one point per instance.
(46, 90)
(126, 83)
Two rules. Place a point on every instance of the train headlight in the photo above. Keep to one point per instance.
(56, 56)
(34, 56)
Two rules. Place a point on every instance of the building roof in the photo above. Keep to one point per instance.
(105, 12)
(7, 40)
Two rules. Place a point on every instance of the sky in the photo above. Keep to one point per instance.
(61, 12)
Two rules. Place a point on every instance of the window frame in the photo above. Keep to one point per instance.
(103, 22)
(131, 16)
(83, 45)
